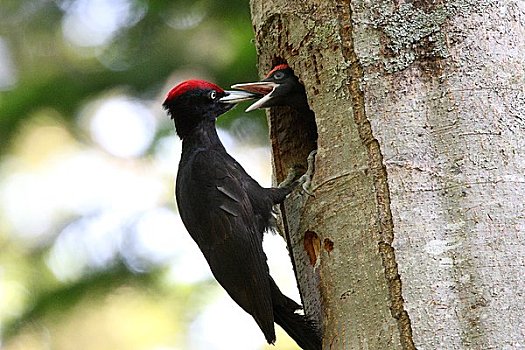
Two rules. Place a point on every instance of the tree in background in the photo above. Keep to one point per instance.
(415, 237)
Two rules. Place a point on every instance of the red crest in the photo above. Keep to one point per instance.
(276, 68)
(189, 85)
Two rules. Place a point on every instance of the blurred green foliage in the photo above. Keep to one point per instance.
(56, 62)
(213, 35)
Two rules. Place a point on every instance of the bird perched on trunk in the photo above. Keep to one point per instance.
(226, 211)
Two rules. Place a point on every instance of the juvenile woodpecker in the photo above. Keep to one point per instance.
(280, 87)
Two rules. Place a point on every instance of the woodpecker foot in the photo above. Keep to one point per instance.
(306, 179)
(292, 174)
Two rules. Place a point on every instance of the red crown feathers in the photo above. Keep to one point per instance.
(276, 68)
(190, 85)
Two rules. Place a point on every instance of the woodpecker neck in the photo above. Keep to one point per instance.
(203, 135)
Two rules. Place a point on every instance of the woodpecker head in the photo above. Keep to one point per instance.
(194, 101)
(280, 88)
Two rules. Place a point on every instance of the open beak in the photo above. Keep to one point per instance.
(264, 88)
(237, 96)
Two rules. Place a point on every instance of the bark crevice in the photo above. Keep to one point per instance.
(379, 173)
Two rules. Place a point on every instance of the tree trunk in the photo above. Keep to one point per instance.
(420, 171)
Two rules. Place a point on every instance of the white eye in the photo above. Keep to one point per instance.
(213, 94)
(278, 75)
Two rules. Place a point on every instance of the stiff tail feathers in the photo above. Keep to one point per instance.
(298, 327)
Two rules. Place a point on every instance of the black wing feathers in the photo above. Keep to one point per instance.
(226, 212)
(213, 186)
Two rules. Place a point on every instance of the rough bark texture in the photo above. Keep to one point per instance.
(420, 178)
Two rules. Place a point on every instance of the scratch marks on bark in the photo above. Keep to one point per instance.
(328, 245)
(375, 161)
(312, 247)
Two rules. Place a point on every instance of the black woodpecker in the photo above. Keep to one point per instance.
(226, 211)
(281, 87)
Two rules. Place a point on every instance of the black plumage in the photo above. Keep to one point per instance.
(281, 87)
(226, 211)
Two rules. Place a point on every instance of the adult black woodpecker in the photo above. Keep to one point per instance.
(281, 87)
(226, 211)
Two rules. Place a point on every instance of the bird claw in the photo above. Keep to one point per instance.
(306, 179)
(306, 187)
(292, 174)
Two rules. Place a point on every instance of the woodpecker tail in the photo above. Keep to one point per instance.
(299, 327)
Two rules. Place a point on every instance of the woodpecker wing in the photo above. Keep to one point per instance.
(218, 213)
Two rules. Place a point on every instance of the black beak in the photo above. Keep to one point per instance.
(237, 96)
(265, 88)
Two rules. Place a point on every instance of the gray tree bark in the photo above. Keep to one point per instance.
(415, 237)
